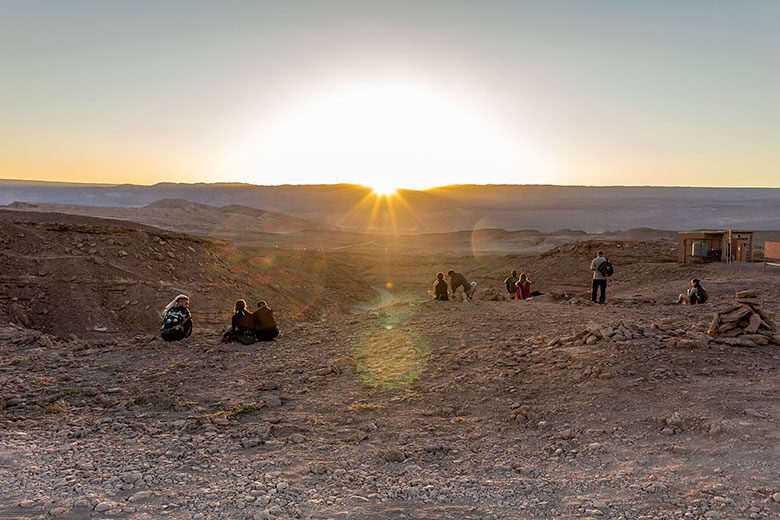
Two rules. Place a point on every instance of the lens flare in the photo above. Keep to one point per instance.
(273, 274)
(391, 353)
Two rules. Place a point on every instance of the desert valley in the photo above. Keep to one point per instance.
(339, 260)
(376, 402)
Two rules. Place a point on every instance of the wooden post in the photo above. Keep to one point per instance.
(751, 247)
(730, 246)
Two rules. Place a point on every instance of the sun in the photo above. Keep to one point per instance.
(385, 135)
(383, 189)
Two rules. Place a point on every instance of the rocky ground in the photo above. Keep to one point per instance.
(408, 409)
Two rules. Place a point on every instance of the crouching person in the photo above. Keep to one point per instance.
(458, 280)
(264, 322)
(176, 319)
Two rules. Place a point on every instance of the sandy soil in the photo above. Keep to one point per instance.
(374, 402)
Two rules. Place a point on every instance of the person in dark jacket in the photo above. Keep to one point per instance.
(242, 320)
(242, 323)
(177, 320)
(511, 283)
(694, 295)
(459, 280)
(440, 289)
(264, 322)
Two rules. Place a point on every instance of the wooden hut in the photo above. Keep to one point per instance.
(715, 246)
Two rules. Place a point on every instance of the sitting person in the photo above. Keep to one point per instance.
(524, 288)
(440, 289)
(511, 282)
(177, 320)
(458, 280)
(243, 324)
(264, 322)
(694, 295)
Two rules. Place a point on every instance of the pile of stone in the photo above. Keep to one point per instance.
(666, 332)
(459, 295)
(618, 331)
(744, 323)
(495, 295)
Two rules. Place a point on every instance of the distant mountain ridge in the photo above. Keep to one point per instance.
(450, 208)
(189, 217)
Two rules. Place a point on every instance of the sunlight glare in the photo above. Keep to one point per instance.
(383, 189)
(385, 136)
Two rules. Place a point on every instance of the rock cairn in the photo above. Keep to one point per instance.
(496, 295)
(744, 323)
(458, 296)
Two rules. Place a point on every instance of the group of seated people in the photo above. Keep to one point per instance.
(249, 327)
(441, 290)
(519, 287)
(245, 327)
(260, 325)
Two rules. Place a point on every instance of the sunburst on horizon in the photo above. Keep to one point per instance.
(384, 189)
(387, 135)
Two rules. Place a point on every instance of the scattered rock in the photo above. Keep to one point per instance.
(394, 455)
(653, 487)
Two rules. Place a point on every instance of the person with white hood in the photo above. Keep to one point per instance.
(177, 320)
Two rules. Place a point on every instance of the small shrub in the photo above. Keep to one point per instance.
(235, 411)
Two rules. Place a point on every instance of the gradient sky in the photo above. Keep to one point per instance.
(420, 92)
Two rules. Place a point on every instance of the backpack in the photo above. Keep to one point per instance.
(606, 268)
(174, 333)
(173, 327)
(701, 295)
(246, 337)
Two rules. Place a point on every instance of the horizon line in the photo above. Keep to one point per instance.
(102, 184)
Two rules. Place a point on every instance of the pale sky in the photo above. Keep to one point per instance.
(398, 93)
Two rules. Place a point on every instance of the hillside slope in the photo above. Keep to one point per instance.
(117, 275)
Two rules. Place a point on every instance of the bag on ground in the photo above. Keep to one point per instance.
(246, 337)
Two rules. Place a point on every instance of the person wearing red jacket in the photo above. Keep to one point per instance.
(523, 287)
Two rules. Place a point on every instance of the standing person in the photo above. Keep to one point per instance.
(458, 280)
(177, 320)
(511, 283)
(599, 278)
(440, 289)
(265, 323)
